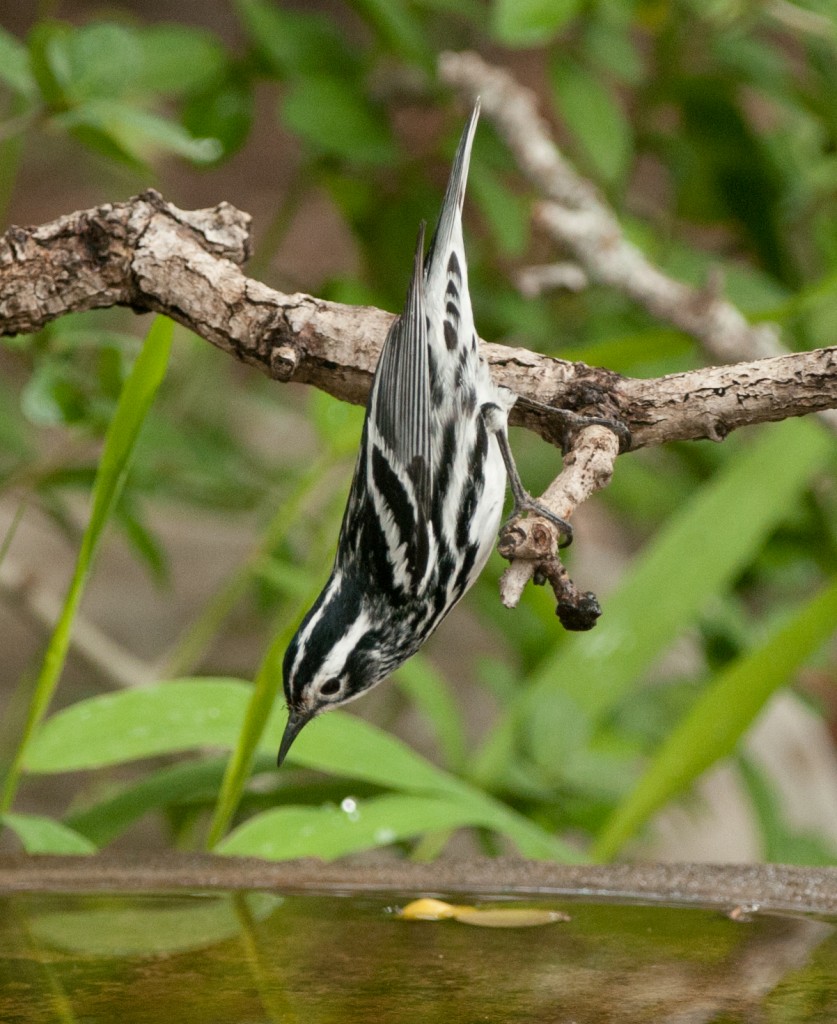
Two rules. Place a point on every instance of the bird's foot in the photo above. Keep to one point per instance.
(573, 422)
(524, 503)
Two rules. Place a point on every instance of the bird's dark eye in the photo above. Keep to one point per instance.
(330, 687)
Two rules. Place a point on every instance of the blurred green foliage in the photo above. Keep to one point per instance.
(712, 129)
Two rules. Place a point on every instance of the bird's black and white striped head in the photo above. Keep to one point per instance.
(339, 652)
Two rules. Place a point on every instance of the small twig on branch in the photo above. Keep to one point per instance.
(531, 545)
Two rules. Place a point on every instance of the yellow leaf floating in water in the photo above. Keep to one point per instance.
(427, 909)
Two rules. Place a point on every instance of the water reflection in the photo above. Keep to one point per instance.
(259, 957)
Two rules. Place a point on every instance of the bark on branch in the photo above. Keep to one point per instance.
(152, 257)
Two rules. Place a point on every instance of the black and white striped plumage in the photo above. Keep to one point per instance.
(428, 490)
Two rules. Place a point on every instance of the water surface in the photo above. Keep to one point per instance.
(249, 958)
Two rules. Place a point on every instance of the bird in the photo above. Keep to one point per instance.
(428, 490)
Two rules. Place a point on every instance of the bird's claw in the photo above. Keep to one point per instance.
(575, 422)
(527, 503)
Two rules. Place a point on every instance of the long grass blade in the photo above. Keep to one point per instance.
(697, 554)
(259, 708)
(713, 727)
(134, 402)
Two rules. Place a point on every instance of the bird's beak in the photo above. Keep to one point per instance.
(296, 720)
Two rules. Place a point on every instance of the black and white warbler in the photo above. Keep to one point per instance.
(428, 490)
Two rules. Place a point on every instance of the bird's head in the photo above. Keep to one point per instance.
(337, 655)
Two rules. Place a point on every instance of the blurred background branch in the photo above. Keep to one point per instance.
(577, 217)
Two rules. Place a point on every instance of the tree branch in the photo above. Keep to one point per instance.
(148, 255)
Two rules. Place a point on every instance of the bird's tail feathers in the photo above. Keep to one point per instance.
(451, 214)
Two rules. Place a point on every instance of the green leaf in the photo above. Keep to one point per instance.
(179, 59)
(530, 22)
(713, 727)
(294, 43)
(134, 135)
(754, 61)
(15, 67)
(131, 926)
(610, 47)
(595, 119)
(136, 398)
(115, 728)
(397, 26)
(97, 78)
(222, 111)
(698, 553)
(48, 60)
(329, 832)
(186, 714)
(120, 440)
(73, 65)
(109, 817)
(345, 745)
(99, 60)
(334, 119)
(43, 835)
(348, 746)
(183, 715)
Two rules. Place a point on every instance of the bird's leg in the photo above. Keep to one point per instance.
(523, 500)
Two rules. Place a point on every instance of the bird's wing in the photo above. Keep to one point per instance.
(399, 410)
(385, 527)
